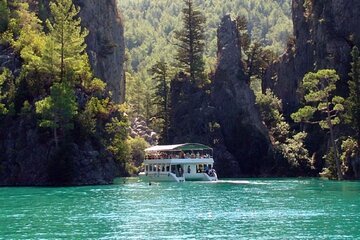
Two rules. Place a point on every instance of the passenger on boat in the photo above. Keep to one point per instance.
(180, 171)
(206, 169)
(212, 172)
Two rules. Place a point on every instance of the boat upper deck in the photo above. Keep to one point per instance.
(179, 153)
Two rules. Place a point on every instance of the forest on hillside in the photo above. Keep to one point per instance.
(172, 72)
(151, 25)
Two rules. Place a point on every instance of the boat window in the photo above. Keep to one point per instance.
(199, 168)
(167, 168)
(151, 168)
(146, 168)
(173, 168)
(163, 168)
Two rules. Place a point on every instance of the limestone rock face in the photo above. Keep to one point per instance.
(227, 118)
(26, 154)
(244, 134)
(325, 32)
(27, 159)
(105, 43)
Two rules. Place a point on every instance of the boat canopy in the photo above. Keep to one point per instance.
(179, 147)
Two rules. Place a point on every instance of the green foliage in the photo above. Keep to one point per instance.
(7, 92)
(242, 26)
(191, 43)
(95, 108)
(257, 60)
(151, 26)
(96, 86)
(304, 114)
(137, 148)
(66, 43)
(150, 37)
(4, 16)
(270, 107)
(330, 171)
(353, 101)
(117, 141)
(56, 81)
(26, 109)
(294, 150)
(160, 76)
(319, 88)
(290, 146)
(58, 110)
(349, 155)
(319, 97)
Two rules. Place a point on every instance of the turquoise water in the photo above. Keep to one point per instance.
(253, 209)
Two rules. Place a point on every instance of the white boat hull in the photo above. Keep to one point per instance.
(170, 177)
(160, 177)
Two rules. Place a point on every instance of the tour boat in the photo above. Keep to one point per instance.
(178, 163)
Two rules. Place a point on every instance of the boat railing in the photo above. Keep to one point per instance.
(150, 157)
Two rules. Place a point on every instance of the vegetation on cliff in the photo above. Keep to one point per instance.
(321, 106)
(55, 87)
(59, 107)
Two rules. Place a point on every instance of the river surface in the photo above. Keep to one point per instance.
(233, 209)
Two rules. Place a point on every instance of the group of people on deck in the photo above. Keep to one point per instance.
(181, 155)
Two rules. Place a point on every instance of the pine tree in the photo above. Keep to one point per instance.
(353, 101)
(256, 58)
(245, 39)
(160, 76)
(4, 16)
(191, 43)
(67, 52)
(58, 110)
(319, 98)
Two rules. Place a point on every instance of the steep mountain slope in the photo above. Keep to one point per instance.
(28, 154)
(325, 32)
(226, 118)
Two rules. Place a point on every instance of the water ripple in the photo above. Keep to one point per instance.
(229, 209)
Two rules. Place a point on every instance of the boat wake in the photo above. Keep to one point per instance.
(233, 181)
(242, 182)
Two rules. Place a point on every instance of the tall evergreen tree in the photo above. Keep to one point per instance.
(4, 16)
(245, 39)
(353, 101)
(191, 43)
(255, 57)
(319, 96)
(160, 76)
(67, 51)
(58, 110)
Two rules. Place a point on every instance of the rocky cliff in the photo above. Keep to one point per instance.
(324, 33)
(227, 118)
(28, 156)
(106, 45)
(245, 136)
